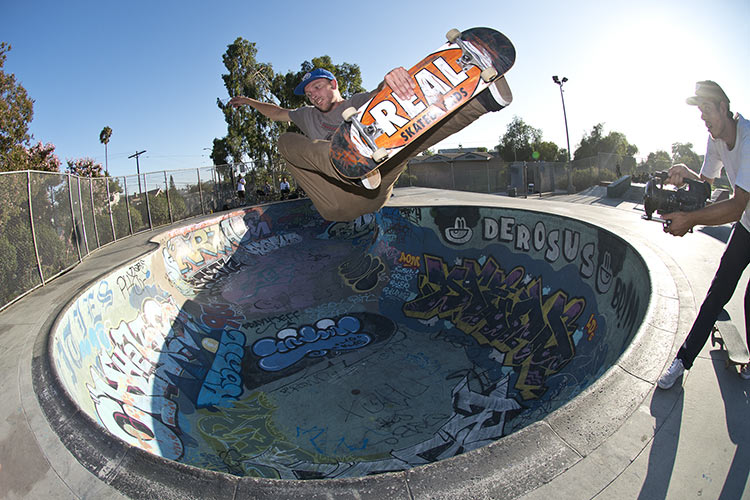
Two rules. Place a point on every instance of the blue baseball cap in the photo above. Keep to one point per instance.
(315, 74)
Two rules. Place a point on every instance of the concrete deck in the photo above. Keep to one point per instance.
(621, 439)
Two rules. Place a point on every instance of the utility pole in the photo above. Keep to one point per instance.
(138, 168)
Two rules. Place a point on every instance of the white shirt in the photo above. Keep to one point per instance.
(736, 162)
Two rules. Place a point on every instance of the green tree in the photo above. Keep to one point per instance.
(220, 153)
(104, 137)
(159, 208)
(683, 153)
(549, 151)
(518, 142)
(120, 216)
(16, 112)
(177, 201)
(250, 135)
(613, 143)
(657, 161)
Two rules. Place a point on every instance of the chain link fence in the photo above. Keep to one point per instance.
(51, 221)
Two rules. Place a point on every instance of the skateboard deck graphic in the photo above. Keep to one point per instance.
(444, 81)
(729, 339)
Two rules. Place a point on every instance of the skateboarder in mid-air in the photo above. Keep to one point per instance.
(338, 198)
(728, 147)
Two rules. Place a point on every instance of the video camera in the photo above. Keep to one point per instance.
(664, 201)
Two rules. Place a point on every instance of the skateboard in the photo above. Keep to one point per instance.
(729, 339)
(444, 81)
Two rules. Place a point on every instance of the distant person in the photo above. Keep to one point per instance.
(241, 190)
(284, 188)
(728, 147)
(336, 197)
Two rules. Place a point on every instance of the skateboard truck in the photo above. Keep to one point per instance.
(368, 133)
(470, 57)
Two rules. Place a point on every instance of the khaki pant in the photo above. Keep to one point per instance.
(340, 199)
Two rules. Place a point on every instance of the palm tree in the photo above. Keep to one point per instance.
(104, 136)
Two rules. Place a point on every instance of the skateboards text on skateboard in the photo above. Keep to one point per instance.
(726, 335)
(444, 81)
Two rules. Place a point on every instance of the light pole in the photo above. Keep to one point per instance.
(565, 116)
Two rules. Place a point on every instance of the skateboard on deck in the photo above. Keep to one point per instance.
(729, 339)
(444, 81)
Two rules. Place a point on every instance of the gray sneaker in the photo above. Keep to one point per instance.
(669, 377)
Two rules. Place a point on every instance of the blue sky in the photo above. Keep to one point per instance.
(152, 70)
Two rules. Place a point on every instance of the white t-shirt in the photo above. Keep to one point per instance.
(736, 162)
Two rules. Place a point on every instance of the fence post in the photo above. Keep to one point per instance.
(215, 177)
(127, 204)
(93, 212)
(169, 203)
(83, 221)
(200, 191)
(33, 232)
(148, 205)
(73, 219)
(109, 207)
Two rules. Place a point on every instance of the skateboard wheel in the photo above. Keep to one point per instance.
(453, 35)
(488, 74)
(349, 113)
(380, 154)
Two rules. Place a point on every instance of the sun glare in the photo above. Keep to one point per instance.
(648, 67)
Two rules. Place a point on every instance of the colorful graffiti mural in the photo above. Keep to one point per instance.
(271, 343)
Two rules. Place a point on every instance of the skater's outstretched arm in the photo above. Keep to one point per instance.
(267, 109)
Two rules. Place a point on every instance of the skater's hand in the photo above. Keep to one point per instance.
(401, 83)
(238, 101)
(267, 109)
